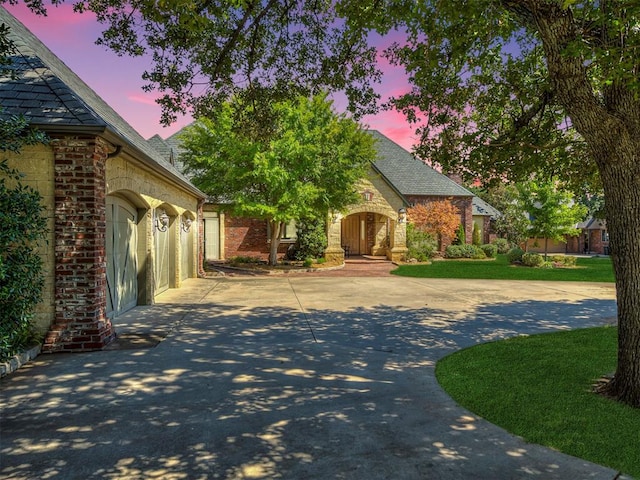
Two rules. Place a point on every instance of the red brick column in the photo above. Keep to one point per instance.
(80, 322)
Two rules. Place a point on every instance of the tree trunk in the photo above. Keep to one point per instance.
(622, 193)
(276, 235)
(607, 117)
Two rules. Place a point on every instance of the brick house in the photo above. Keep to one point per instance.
(122, 222)
(374, 226)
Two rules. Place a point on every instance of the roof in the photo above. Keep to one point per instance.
(480, 207)
(53, 98)
(409, 175)
(592, 224)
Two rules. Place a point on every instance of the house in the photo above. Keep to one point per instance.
(123, 222)
(592, 239)
(374, 226)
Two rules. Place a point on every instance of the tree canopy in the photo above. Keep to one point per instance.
(304, 164)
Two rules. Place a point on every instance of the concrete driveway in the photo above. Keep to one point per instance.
(291, 377)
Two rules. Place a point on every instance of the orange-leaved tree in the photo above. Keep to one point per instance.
(440, 218)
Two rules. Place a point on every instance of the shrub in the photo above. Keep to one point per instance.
(502, 244)
(476, 237)
(461, 236)
(464, 251)
(308, 262)
(422, 245)
(311, 241)
(515, 255)
(563, 260)
(21, 277)
(489, 250)
(245, 259)
(532, 259)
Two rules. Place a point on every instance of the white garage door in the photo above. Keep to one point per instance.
(121, 247)
(211, 236)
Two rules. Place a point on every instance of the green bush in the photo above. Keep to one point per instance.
(461, 236)
(490, 250)
(476, 237)
(502, 244)
(515, 255)
(422, 246)
(21, 277)
(464, 251)
(308, 262)
(569, 261)
(311, 241)
(245, 259)
(531, 259)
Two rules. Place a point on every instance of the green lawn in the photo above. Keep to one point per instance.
(587, 270)
(540, 387)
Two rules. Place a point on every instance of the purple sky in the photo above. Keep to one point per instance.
(118, 79)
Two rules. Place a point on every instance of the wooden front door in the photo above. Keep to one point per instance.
(354, 233)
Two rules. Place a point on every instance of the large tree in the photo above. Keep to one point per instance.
(553, 214)
(504, 87)
(305, 162)
(514, 86)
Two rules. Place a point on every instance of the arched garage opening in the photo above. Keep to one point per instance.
(124, 229)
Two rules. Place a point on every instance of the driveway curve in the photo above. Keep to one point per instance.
(289, 377)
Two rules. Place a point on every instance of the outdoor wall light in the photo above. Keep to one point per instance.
(162, 221)
(186, 224)
(402, 215)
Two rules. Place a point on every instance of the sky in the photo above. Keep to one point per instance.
(118, 80)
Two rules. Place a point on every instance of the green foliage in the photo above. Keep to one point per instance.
(490, 250)
(464, 251)
(515, 255)
(308, 262)
(563, 260)
(422, 245)
(244, 259)
(301, 164)
(202, 52)
(531, 259)
(552, 211)
(311, 241)
(476, 236)
(21, 277)
(502, 245)
(461, 236)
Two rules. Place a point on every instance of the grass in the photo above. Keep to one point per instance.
(587, 270)
(540, 387)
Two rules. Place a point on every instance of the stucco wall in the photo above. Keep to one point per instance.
(36, 163)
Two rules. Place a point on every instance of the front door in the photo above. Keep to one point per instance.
(354, 233)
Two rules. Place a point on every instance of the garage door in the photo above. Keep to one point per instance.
(121, 247)
(211, 236)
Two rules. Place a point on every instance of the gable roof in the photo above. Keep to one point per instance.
(54, 99)
(409, 175)
(480, 207)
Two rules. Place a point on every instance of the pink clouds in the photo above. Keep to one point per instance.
(118, 80)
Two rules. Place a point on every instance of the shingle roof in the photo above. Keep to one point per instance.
(54, 98)
(409, 175)
(480, 207)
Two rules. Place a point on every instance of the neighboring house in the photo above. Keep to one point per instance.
(374, 226)
(592, 239)
(122, 221)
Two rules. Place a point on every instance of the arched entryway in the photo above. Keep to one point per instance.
(365, 233)
(121, 247)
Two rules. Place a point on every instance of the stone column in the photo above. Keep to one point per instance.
(334, 251)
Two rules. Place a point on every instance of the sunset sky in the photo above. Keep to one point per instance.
(118, 79)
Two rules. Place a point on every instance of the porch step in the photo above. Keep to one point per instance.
(367, 259)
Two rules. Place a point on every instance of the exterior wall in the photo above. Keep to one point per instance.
(247, 237)
(465, 207)
(36, 163)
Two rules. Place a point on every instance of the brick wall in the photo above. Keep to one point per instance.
(247, 237)
(80, 321)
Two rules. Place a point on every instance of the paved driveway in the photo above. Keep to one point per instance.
(289, 378)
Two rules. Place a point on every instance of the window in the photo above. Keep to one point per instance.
(290, 233)
(605, 235)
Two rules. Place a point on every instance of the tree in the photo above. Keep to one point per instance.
(302, 165)
(440, 219)
(512, 223)
(23, 226)
(552, 212)
(502, 88)
(510, 87)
